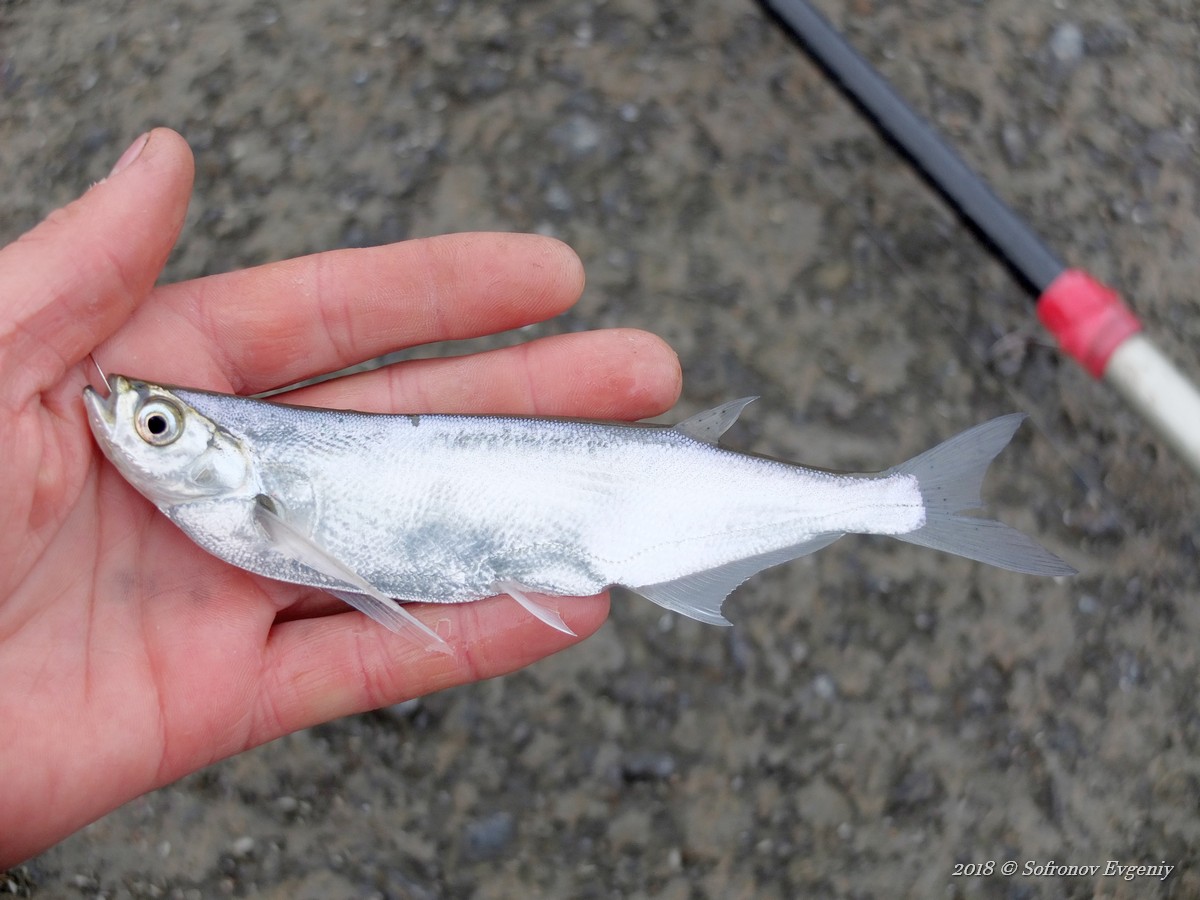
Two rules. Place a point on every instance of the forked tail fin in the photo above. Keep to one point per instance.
(951, 479)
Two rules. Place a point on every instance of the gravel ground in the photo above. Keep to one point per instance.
(880, 712)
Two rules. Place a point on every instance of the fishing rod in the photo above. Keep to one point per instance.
(1089, 319)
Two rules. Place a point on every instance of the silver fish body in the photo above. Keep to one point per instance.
(450, 509)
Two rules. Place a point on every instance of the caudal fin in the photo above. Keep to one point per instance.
(951, 480)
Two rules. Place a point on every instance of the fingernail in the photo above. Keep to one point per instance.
(130, 155)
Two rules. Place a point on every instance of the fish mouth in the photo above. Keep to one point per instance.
(102, 411)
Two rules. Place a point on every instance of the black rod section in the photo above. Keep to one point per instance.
(942, 167)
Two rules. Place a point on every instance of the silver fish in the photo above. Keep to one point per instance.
(453, 508)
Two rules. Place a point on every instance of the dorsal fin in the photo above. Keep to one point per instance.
(708, 426)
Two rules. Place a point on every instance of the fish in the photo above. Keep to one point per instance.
(384, 509)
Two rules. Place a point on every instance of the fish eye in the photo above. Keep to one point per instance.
(159, 422)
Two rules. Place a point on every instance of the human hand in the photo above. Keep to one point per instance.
(128, 656)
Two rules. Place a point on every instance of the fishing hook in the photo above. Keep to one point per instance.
(103, 377)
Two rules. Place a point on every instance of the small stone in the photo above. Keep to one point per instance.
(632, 828)
(405, 709)
(832, 276)
(558, 198)
(578, 134)
(1166, 145)
(824, 687)
(243, 847)
(1012, 139)
(646, 765)
(914, 790)
(489, 837)
(1066, 44)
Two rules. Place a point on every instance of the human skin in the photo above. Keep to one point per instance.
(128, 656)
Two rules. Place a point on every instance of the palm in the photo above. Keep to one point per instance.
(128, 656)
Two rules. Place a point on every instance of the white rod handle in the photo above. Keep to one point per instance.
(1164, 396)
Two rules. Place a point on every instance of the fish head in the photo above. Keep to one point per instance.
(162, 446)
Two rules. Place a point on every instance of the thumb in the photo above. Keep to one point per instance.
(73, 280)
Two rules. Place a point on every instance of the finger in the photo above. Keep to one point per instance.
(72, 280)
(275, 324)
(319, 669)
(614, 374)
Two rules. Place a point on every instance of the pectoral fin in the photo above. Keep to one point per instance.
(392, 616)
(360, 594)
(537, 610)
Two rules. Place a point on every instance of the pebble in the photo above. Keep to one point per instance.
(558, 198)
(577, 134)
(1066, 43)
(1167, 145)
(824, 687)
(490, 836)
(644, 765)
(1012, 139)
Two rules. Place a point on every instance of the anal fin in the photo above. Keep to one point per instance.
(700, 595)
(362, 595)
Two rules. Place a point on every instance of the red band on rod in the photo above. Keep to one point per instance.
(1088, 318)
